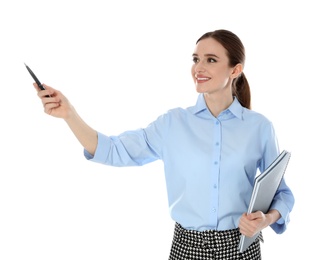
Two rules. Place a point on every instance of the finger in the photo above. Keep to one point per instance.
(36, 87)
(252, 216)
(48, 108)
(47, 87)
(256, 215)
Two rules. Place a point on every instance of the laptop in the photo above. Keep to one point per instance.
(264, 190)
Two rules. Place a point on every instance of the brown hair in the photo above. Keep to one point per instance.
(236, 54)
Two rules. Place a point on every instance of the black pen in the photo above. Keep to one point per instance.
(35, 78)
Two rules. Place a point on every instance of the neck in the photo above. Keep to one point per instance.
(218, 103)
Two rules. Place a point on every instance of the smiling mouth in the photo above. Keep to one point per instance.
(201, 79)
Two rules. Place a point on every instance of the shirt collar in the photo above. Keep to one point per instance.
(235, 108)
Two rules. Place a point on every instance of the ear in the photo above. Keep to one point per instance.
(237, 70)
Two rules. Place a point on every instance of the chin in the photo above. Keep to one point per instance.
(199, 90)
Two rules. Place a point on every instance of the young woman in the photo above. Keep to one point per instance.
(211, 152)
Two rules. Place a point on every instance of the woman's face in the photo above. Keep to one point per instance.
(211, 72)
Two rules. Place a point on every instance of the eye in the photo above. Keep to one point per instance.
(195, 59)
(211, 60)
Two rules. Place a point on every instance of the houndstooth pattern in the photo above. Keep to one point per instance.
(210, 245)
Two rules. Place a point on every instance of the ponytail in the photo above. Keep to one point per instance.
(241, 89)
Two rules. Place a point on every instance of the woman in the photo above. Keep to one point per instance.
(211, 153)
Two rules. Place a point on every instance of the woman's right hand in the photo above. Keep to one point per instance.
(54, 102)
(57, 105)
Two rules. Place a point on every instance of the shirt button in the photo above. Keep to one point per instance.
(215, 186)
(213, 209)
(215, 162)
(217, 143)
(217, 123)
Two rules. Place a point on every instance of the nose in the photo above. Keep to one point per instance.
(199, 67)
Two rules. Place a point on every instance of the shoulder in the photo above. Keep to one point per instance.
(258, 122)
(173, 114)
(254, 116)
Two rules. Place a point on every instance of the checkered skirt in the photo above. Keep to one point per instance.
(210, 245)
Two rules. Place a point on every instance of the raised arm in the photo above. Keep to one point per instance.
(57, 105)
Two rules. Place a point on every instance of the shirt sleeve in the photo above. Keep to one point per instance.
(284, 199)
(127, 149)
(283, 202)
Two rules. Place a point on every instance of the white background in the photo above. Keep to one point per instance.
(122, 64)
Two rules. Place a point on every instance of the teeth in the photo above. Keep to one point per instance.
(202, 78)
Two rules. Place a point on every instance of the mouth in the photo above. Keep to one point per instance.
(202, 79)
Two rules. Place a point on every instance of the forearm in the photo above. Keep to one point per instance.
(86, 135)
(272, 216)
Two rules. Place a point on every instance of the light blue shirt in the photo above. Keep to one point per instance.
(210, 163)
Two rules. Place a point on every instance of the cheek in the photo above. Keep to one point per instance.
(193, 71)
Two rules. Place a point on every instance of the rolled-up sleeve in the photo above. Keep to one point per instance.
(130, 148)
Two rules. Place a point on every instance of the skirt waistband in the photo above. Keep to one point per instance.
(208, 238)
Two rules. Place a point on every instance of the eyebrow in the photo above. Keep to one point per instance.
(207, 55)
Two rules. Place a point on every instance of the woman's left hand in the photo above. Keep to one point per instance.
(252, 223)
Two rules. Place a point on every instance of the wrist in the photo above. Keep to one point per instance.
(272, 216)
